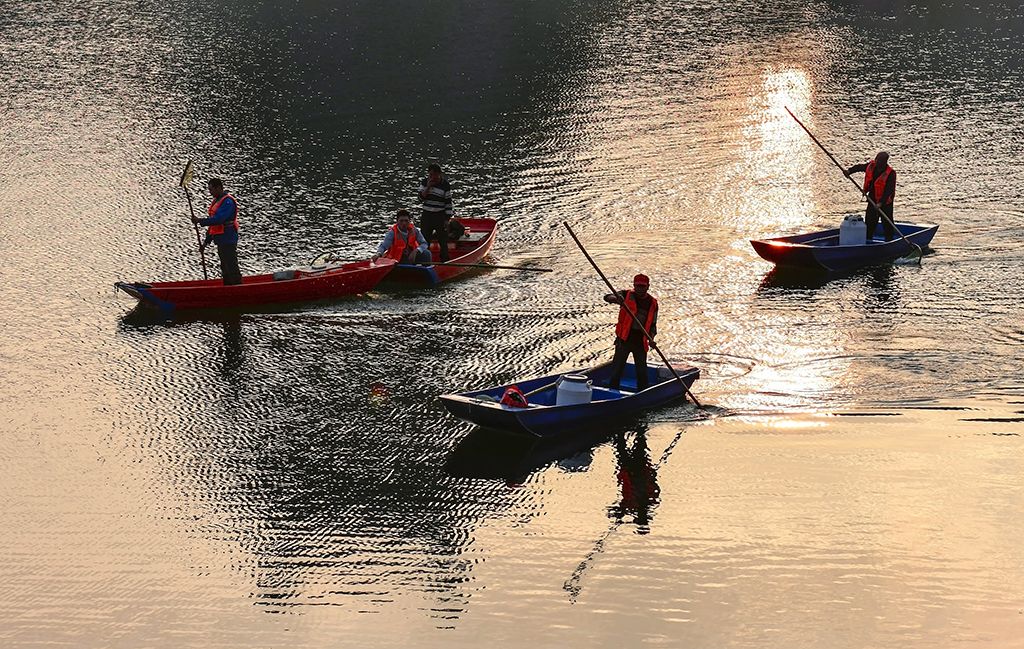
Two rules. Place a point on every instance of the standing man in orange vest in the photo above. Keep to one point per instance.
(629, 339)
(222, 229)
(404, 242)
(880, 185)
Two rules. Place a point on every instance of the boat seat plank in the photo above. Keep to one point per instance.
(607, 394)
(469, 237)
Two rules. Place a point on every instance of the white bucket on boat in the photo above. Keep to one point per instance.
(853, 231)
(573, 389)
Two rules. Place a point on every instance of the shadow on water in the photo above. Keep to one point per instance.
(145, 320)
(799, 279)
(880, 285)
(639, 494)
(637, 478)
(498, 455)
(142, 316)
(320, 440)
(495, 454)
(794, 278)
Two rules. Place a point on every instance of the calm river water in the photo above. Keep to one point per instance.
(290, 479)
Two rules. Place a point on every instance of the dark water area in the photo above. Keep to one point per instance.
(289, 478)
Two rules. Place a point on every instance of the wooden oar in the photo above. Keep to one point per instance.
(636, 320)
(865, 194)
(541, 389)
(528, 269)
(186, 178)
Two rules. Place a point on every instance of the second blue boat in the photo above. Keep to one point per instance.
(822, 251)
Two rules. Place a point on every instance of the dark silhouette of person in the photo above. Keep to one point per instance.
(637, 479)
(880, 185)
(222, 229)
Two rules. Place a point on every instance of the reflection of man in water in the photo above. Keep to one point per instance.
(637, 479)
(234, 351)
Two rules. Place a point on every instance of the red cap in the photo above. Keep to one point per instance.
(642, 279)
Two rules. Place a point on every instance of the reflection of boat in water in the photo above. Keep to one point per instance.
(822, 250)
(797, 278)
(803, 279)
(142, 316)
(498, 454)
(545, 416)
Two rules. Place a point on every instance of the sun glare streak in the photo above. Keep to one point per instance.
(792, 376)
(787, 88)
(777, 155)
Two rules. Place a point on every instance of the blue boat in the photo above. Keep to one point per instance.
(543, 418)
(822, 251)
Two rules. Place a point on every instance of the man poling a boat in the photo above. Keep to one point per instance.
(629, 336)
(404, 242)
(880, 185)
(222, 229)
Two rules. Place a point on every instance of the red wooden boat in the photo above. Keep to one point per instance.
(470, 248)
(283, 287)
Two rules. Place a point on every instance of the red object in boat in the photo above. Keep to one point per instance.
(284, 287)
(471, 248)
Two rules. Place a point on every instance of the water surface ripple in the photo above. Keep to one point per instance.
(288, 478)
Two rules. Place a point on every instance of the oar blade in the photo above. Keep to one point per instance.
(186, 175)
(912, 258)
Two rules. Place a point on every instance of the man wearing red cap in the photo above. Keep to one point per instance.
(629, 337)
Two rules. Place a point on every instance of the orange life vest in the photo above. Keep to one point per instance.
(212, 210)
(626, 321)
(399, 243)
(876, 186)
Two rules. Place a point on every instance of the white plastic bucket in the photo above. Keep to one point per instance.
(852, 231)
(573, 389)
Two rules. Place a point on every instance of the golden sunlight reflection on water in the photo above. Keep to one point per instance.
(287, 478)
(776, 149)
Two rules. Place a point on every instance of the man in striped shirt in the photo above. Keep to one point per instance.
(436, 196)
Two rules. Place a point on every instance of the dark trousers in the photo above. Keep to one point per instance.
(416, 257)
(871, 218)
(433, 223)
(228, 253)
(623, 348)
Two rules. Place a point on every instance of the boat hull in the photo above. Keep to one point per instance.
(545, 419)
(821, 250)
(470, 250)
(290, 287)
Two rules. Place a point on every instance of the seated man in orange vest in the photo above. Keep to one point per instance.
(404, 242)
(629, 338)
(222, 229)
(880, 185)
